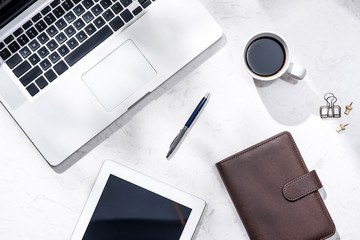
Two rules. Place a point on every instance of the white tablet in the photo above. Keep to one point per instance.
(125, 204)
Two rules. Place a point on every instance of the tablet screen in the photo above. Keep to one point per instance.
(127, 211)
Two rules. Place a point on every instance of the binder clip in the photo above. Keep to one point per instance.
(330, 110)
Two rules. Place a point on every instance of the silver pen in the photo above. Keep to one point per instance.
(182, 132)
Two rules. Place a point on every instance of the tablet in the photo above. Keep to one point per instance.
(125, 204)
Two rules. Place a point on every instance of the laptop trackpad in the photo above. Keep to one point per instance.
(119, 75)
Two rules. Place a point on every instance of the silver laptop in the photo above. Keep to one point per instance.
(68, 68)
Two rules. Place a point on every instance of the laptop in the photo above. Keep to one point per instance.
(69, 68)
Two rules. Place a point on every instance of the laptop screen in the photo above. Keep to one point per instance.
(9, 9)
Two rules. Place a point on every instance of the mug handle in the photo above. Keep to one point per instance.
(296, 71)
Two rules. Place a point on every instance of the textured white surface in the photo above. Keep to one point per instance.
(324, 36)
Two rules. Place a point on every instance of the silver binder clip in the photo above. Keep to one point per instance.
(330, 110)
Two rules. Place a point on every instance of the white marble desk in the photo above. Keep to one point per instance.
(324, 35)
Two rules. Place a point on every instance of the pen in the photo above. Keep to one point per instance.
(182, 132)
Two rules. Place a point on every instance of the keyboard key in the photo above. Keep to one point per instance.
(52, 45)
(69, 17)
(43, 38)
(31, 75)
(70, 31)
(90, 29)
(31, 33)
(117, 8)
(9, 39)
(88, 3)
(81, 36)
(13, 61)
(36, 18)
(34, 59)
(60, 38)
(41, 82)
(99, 22)
(126, 15)
(105, 3)
(54, 57)
(146, 3)
(21, 69)
(32, 89)
(59, 12)
(96, 10)
(117, 23)
(79, 9)
(34, 45)
(79, 24)
(45, 64)
(60, 68)
(137, 10)
(76, 1)
(41, 26)
(25, 51)
(63, 50)
(61, 24)
(46, 10)
(108, 15)
(52, 31)
(43, 52)
(5, 54)
(88, 45)
(50, 75)
(126, 3)
(55, 3)
(72, 43)
(14, 46)
(23, 40)
(2, 45)
(18, 32)
(50, 18)
(27, 25)
(88, 17)
(67, 5)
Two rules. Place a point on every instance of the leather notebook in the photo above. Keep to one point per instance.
(274, 194)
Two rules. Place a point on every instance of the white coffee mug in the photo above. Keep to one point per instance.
(293, 70)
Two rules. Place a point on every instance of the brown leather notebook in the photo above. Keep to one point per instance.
(274, 194)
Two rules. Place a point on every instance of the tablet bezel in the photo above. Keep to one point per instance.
(109, 167)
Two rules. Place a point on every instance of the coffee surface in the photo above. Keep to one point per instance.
(265, 56)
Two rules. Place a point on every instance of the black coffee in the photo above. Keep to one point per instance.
(265, 56)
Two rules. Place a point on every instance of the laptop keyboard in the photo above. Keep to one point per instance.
(60, 35)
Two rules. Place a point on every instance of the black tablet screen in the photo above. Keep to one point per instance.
(128, 212)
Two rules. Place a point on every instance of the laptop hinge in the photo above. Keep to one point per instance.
(138, 100)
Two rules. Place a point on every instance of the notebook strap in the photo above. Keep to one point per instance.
(302, 186)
